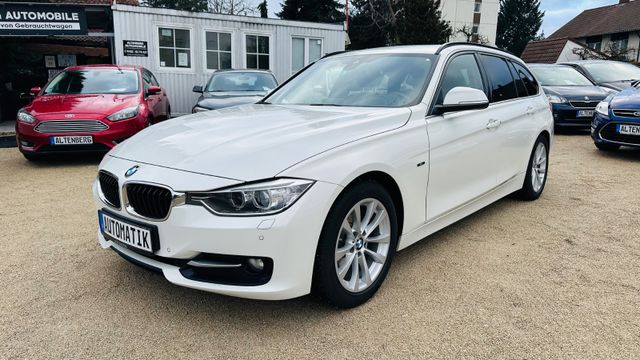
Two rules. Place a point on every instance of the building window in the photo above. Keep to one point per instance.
(594, 42)
(304, 51)
(175, 48)
(257, 50)
(619, 41)
(297, 54)
(218, 47)
(477, 6)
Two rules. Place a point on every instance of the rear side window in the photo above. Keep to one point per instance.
(529, 81)
(462, 71)
(502, 84)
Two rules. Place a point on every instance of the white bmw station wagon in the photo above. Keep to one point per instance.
(318, 185)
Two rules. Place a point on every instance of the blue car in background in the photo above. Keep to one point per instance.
(573, 97)
(617, 120)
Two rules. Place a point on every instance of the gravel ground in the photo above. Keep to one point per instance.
(556, 278)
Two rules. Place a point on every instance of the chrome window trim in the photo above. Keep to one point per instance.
(177, 199)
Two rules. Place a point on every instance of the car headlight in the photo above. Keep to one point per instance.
(260, 198)
(124, 114)
(25, 117)
(555, 99)
(197, 109)
(603, 108)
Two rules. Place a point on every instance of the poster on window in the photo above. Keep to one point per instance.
(183, 59)
(66, 60)
(49, 61)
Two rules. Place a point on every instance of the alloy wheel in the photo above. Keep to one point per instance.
(539, 167)
(363, 244)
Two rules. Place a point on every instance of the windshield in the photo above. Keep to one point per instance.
(359, 80)
(613, 71)
(559, 76)
(241, 81)
(94, 81)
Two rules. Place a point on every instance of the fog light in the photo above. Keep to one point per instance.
(256, 264)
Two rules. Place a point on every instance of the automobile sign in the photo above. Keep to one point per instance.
(49, 19)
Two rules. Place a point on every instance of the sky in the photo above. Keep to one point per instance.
(557, 12)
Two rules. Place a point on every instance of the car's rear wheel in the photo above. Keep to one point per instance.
(607, 146)
(537, 170)
(357, 244)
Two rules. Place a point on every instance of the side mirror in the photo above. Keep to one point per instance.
(462, 98)
(154, 90)
(197, 89)
(35, 90)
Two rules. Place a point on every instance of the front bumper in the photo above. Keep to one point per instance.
(604, 131)
(565, 115)
(289, 239)
(31, 141)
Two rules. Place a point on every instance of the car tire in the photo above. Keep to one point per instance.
(537, 171)
(607, 146)
(371, 250)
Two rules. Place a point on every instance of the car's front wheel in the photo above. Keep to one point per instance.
(357, 244)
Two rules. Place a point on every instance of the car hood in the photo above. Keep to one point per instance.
(257, 141)
(221, 100)
(627, 99)
(617, 85)
(81, 104)
(577, 92)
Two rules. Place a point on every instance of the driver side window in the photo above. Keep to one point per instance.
(462, 71)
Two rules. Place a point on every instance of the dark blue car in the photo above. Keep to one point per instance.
(617, 120)
(573, 97)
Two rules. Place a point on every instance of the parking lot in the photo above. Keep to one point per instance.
(554, 278)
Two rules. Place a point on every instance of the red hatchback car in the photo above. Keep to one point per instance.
(90, 108)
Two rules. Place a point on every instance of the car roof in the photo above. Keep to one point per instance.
(243, 70)
(104, 66)
(533, 65)
(426, 49)
(578, 62)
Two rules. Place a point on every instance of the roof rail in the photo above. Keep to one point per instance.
(460, 43)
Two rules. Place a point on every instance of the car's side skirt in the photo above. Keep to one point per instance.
(488, 198)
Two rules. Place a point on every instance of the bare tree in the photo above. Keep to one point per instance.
(611, 52)
(232, 7)
(472, 37)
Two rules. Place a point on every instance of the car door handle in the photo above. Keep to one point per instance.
(493, 124)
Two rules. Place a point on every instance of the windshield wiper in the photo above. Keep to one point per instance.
(324, 104)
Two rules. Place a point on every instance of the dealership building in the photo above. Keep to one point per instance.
(181, 48)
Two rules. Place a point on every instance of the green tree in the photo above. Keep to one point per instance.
(518, 23)
(327, 11)
(420, 22)
(188, 5)
(264, 11)
(397, 22)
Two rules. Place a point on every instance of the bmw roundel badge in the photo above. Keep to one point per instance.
(132, 170)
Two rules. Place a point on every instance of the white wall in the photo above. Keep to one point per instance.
(460, 13)
(141, 23)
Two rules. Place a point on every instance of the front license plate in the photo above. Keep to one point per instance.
(585, 113)
(629, 129)
(71, 140)
(127, 232)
